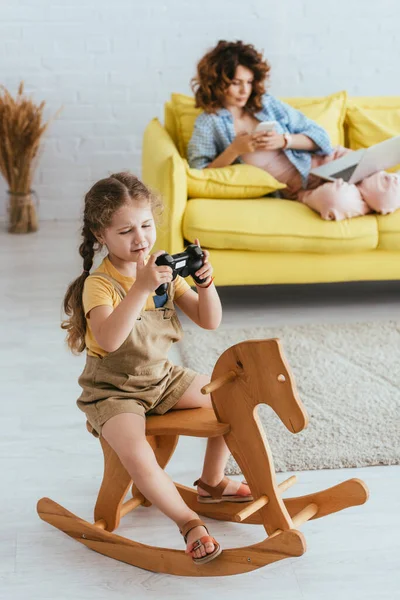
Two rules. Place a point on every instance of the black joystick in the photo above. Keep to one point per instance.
(183, 264)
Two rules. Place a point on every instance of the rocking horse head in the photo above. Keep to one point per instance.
(260, 375)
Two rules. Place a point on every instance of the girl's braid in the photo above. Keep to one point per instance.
(87, 249)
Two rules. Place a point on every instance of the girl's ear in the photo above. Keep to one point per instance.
(98, 237)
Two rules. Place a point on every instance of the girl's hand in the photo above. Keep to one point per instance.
(243, 142)
(205, 272)
(270, 140)
(149, 276)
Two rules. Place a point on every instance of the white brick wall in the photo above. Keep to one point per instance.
(112, 65)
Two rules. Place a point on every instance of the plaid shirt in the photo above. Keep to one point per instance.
(213, 133)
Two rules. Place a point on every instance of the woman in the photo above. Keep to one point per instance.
(230, 87)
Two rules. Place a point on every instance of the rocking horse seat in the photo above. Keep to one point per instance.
(194, 422)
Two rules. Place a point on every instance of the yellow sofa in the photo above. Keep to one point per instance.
(258, 239)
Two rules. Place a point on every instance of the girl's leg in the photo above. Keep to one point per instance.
(126, 435)
(335, 201)
(217, 452)
(381, 192)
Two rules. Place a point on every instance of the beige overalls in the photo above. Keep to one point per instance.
(138, 377)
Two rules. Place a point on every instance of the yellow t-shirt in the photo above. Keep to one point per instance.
(98, 291)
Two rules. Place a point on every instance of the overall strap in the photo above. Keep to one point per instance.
(118, 286)
(169, 306)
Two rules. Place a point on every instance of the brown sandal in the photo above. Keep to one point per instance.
(201, 541)
(216, 493)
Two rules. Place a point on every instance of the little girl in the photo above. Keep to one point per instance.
(127, 331)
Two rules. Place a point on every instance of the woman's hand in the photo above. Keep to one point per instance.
(270, 140)
(205, 272)
(149, 276)
(243, 142)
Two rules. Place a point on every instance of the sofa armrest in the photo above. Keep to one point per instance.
(163, 170)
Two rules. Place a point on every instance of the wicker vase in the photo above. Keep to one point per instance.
(22, 216)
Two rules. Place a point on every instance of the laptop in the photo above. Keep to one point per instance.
(355, 166)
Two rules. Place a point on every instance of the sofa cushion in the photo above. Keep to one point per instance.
(389, 231)
(372, 120)
(269, 224)
(327, 111)
(235, 181)
(185, 115)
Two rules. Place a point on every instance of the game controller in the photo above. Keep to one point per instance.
(183, 264)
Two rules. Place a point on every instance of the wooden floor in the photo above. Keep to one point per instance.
(46, 451)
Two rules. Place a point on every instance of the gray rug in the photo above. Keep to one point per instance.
(348, 377)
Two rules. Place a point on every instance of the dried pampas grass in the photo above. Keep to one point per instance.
(21, 130)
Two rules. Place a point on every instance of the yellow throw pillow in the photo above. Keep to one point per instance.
(327, 111)
(235, 181)
(185, 114)
(372, 120)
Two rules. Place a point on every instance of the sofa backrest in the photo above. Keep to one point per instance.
(328, 111)
(170, 122)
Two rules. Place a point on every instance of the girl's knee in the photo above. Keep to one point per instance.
(124, 430)
(336, 201)
(381, 192)
(138, 458)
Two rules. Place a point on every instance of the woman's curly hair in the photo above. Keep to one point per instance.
(217, 68)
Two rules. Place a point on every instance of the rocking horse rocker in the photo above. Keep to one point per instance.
(245, 375)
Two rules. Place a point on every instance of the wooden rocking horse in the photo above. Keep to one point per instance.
(245, 375)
